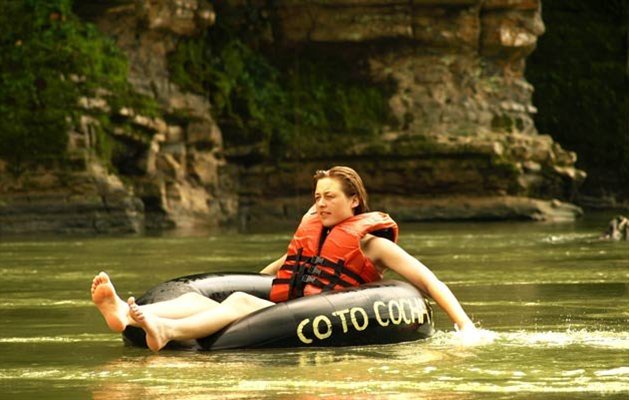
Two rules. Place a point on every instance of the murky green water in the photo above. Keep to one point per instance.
(557, 298)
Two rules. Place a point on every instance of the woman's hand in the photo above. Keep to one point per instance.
(275, 266)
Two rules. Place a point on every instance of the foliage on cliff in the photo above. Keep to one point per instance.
(279, 104)
(581, 81)
(49, 60)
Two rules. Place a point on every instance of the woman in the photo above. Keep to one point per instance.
(312, 264)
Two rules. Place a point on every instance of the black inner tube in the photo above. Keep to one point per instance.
(375, 313)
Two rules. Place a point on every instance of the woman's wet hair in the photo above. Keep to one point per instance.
(351, 184)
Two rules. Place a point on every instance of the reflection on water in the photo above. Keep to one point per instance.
(555, 298)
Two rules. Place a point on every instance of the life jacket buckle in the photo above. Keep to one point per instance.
(308, 279)
(317, 260)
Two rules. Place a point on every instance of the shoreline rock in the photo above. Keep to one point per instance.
(69, 202)
(288, 210)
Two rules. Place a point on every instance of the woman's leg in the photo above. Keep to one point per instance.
(183, 306)
(160, 331)
(116, 311)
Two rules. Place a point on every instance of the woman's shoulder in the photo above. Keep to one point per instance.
(374, 246)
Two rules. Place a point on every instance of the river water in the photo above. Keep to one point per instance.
(556, 298)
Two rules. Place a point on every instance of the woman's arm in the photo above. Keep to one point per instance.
(273, 267)
(387, 254)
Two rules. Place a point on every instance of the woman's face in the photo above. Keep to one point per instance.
(333, 206)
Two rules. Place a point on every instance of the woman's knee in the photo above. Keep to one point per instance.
(193, 298)
(244, 301)
(238, 298)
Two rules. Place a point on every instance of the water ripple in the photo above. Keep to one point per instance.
(63, 339)
(583, 337)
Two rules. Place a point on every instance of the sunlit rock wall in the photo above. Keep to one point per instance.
(184, 180)
(464, 145)
(174, 179)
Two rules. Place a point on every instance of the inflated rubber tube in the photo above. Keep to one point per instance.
(375, 313)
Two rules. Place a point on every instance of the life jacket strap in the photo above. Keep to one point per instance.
(295, 287)
(336, 278)
(306, 271)
(312, 274)
(339, 268)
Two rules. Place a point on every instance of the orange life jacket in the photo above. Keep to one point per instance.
(317, 262)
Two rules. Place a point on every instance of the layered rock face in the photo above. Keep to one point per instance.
(465, 145)
(177, 178)
(85, 200)
(183, 179)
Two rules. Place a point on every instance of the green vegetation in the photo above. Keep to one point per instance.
(280, 108)
(582, 87)
(49, 59)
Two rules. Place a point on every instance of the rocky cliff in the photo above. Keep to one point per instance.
(174, 179)
(464, 145)
(461, 143)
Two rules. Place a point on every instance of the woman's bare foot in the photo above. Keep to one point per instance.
(113, 308)
(154, 326)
